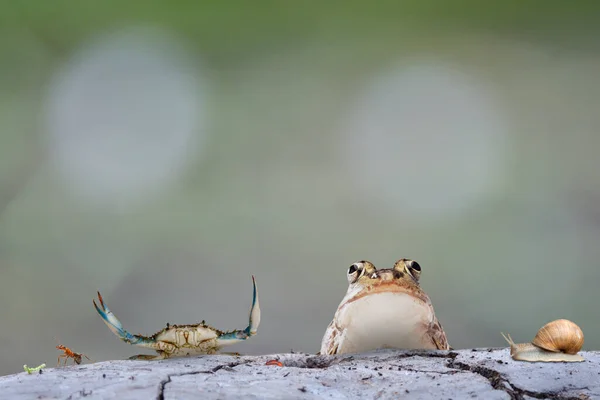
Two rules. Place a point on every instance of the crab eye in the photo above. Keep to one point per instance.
(353, 268)
(415, 265)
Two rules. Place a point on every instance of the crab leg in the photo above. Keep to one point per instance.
(254, 320)
(117, 328)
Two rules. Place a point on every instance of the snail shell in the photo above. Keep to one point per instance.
(557, 341)
(560, 336)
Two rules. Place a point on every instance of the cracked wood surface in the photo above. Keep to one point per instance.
(384, 374)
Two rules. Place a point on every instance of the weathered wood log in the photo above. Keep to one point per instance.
(385, 374)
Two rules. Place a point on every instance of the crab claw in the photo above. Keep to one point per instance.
(113, 323)
(254, 312)
(238, 335)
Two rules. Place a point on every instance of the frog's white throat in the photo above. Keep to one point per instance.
(384, 320)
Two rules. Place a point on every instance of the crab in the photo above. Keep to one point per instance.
(182, 340)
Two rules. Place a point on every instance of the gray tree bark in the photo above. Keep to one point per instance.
(384, 374)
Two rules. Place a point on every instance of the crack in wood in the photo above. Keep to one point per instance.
(227, 367)
(499, 382)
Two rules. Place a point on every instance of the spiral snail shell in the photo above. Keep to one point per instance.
(557, 341)
(560, 336)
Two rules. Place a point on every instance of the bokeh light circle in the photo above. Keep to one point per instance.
(124, 115)
(426, 141)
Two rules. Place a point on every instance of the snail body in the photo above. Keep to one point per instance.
(557, 341)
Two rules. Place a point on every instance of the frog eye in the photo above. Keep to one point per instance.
(414, 269)
(354, 272)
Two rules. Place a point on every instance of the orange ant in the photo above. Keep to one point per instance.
(68, 353)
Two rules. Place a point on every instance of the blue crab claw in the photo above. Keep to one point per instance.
(115, 325)
(252, 328)
(254, 312)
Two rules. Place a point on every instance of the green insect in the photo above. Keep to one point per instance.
(35, 369)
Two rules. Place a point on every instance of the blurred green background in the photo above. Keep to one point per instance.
(162, 152)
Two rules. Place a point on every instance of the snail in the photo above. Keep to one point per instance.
(557, 341)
